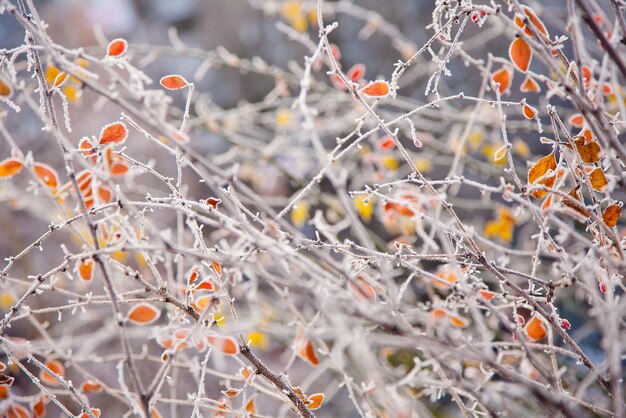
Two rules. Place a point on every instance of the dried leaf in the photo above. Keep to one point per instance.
(541, 167)
(598, 180)
(612, 213)
(588, 149)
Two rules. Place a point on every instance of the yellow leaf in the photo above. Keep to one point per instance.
(541, 167)
(258, 339)
(364, 208)
(300, 214)
(390, 162)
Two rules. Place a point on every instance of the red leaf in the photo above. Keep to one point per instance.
(356, 72)
(174, 82)
(117, 47)
(376, 89)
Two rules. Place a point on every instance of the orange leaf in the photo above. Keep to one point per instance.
(458, 321)
(118, 167)
(575, 201)
(537, 23)
(16, 411)
(115, 132)
(55, 367)
(503, 77)
(174, 82)
(535, 328)
(529, 85)
(245, 372)
(90, 386)
(226, 345)
(541, 167)
(376, 89)
(251, 406)
(10, 167)
(589, 150)
(611, 214)
(217, 267)
(598, 179)
(104, 193)
(95, 411)
(487, 294)
(306, 352)
(117, 47)
(193, 274)
(529, 112)
(46, 174)
(143, 314)
(39, 407)
(576, 120)
(5, 89)
(520, 54)
(362, 290)
(315, 401)
(85, 268)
